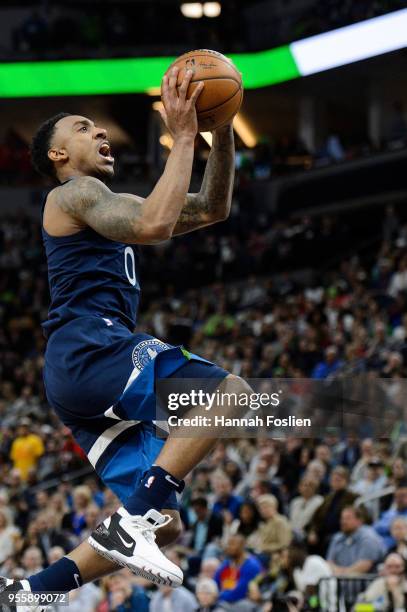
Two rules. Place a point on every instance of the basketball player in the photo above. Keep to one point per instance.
(99, 375)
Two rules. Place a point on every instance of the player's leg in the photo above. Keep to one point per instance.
(128, 537)
(121, 537)
(181, 454)
(176, 459)
(81, 565)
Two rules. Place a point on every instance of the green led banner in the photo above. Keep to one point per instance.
(134, 75)
(339, 47)
(266, 67)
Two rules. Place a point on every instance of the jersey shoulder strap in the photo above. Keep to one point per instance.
(45, 197)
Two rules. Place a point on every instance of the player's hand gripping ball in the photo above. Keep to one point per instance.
(222, 95)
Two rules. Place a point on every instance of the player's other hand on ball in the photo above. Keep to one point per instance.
(179, 112)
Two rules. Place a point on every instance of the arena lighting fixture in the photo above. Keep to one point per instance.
(244, 131)
(351, 44)
(166, 141)
(157, 106)
(196, 10)
(207, 136)
(240, 126)
(212, 9)
(153, 91)
(261, 69)
(192, 10)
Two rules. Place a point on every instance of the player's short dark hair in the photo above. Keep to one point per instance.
(41, 143)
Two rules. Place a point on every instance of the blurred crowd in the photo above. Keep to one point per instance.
(265, 520)
(326, 15)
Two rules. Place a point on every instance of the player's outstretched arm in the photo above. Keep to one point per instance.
(128, 218)
(212, 203)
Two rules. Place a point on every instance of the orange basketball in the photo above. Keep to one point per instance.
(222, 95)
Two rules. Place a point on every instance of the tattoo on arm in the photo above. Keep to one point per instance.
(113, 215)
(193, 215)
(213, 202)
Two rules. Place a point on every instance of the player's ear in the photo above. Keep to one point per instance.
(56, 155)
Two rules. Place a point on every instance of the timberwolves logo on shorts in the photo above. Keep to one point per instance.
(146, 350)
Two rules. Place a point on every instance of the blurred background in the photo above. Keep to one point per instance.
(307, 278)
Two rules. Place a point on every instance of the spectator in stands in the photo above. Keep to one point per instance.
(398, 471)
(238, 569)
(329, 366)
(248, 521)
(224, 498)
(26, 449)
(200, 483)
(357, 548)
(209, 567)
(276, 579)
(367, 454)
(97, 495)
(93, 517)
(8, 536)
(316, 470)
(290, 569)
(58, 507)
(207, 594)
(303, 507)
(326, 519)
(123, 594)
(42, 501)
(398, 532)
(207, 528)
(307, 569)
(75, 520)
(323, 453)
(373, 482)
(398, 509)
(398, 283)
(351, 451)
(48, 535)
(389, 592)
(274, 532)
(55, 553)
(5, 506)
(167, 598)
(32, 561)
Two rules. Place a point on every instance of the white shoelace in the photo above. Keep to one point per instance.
(146, 528)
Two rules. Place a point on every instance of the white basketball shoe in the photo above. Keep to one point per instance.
(130, 541)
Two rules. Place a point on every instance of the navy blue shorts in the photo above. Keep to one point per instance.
(100, 379)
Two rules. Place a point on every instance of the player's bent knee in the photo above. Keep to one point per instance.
(236, 384)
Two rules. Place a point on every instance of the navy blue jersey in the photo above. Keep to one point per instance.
(91, 275)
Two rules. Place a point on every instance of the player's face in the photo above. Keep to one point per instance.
(78, 142)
